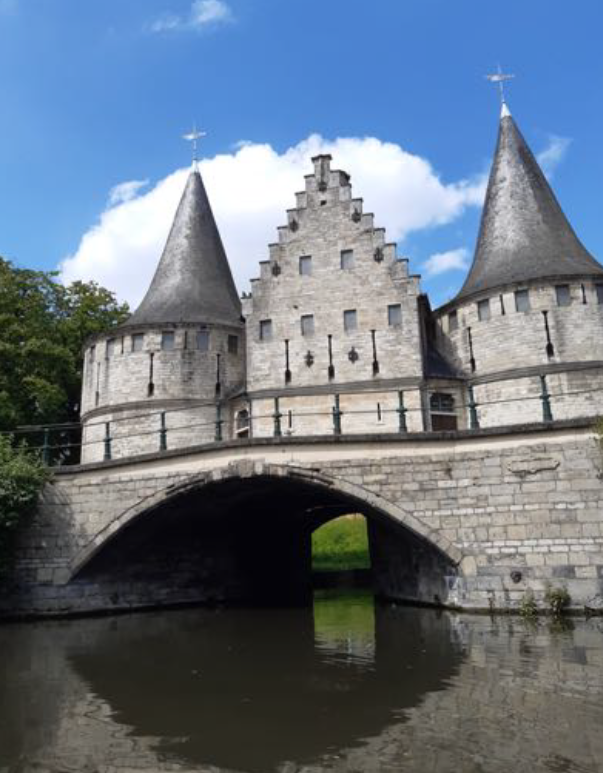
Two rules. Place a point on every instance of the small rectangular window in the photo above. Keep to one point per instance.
(563, 295)
(394, 315)
(453, 322)
(167, 340)
(266, 330)
(522, 300)
(233, 344)
(110, 347)
(307, 324)
(137, 342)
(305, 265)
(202, 340)
(350, 320)
(347, 259)
(599, 289)
(483, 310)
(92, 353)
(443, 416)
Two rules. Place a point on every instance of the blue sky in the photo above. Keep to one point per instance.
(96, 94)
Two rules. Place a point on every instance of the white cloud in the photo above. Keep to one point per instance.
(202, 14)
(123, 192)
(452, 260)
(250, 189)
(554, 153)
(166, 22)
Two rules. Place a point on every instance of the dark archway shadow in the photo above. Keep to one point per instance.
(248, 541)
(252, 689)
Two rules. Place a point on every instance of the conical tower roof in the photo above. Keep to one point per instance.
(523, 234)
(193, 282)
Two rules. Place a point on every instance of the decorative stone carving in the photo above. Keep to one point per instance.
(309, 359)
(532, 465)
(293, 225)
(353, 355)
(276, 269)
(356, 216)
(378, 255)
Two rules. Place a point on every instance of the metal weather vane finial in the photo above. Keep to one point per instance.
(193, 137)
(500, 77)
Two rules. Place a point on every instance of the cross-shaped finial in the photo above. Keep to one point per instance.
(500, 77)
(193, 137)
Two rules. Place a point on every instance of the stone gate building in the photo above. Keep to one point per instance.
(336, 334)
(217, 435)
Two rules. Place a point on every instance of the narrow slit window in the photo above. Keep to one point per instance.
(347, 260)
(394, 315)
(599, 289)
(266, 330)
(305, 265)
(453, 322)
(350, 320)
(483, 310)
(168, 340)
(110, 347)
(137, 342)
(522, 300)
(92, 353)
(307, 324)
(202, 340)
(563, 295)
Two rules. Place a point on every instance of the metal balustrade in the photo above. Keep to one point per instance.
(62, 444)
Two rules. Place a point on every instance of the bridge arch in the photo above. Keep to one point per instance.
(327, 495)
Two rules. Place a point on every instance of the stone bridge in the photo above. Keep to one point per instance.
(473, 519)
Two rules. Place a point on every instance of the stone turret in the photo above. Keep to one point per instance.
(165, 377)
(532, 303)
(193, 282)
(524, 234)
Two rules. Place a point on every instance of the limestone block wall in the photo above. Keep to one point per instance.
(138, 430)
(512, 339)
(361, 412)
(331, 259)
(513, 511)
(518, 399)
(130, 388)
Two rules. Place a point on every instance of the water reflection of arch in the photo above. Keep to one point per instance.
(260, 517)
(248, 690)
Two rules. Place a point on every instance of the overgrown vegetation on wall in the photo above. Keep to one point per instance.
(22, 476)
(43, 326)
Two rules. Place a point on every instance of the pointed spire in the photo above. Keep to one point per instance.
(523, 234)
(193, 282)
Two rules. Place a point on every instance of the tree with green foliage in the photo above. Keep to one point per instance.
(43, 326)
(22, 476)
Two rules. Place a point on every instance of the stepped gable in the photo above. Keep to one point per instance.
(524, 233)
(193, 282)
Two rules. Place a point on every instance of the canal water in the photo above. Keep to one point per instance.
(347, 686)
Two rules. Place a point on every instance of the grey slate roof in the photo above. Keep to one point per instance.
(523, 234)
(193, 282)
